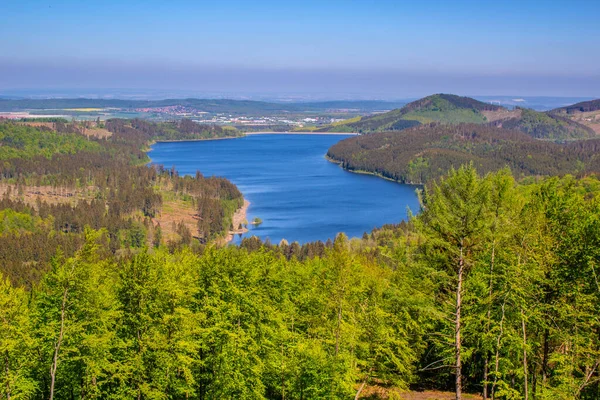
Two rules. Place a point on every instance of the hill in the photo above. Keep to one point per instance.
(586, 113)
(544, 125)
(422, 153)
(584, 106)
(445, 108)
(452, 109)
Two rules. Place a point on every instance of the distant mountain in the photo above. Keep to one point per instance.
(444, 108)
(420, 154)
(452, 109)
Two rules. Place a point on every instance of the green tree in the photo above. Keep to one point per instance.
(455, 222)
(16, 343)
(75, 315)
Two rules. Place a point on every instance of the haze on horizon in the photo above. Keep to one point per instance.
(383, 49)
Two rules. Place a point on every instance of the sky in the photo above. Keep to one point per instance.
(341, 49)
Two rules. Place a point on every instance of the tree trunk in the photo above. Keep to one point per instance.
(485, 375)
(360, 389)
(282, 375)
(486, 364)
(525, 375)
(461, 265)
(7, 370)
(545, 357)
(337, 331)
(58, 344)
(497, 359)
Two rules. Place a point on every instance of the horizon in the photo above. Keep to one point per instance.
(383, 51)
(535, 102)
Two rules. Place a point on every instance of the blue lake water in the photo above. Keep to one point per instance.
(299, 195)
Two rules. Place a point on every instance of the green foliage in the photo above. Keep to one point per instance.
(256, 221)
(227, 324)
(22, 141)
(512, 267)
(16, 343)
(264, 321)
(106, 184)
(12, 222)
(419, 155)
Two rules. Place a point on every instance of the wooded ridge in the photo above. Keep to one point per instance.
(452, 109)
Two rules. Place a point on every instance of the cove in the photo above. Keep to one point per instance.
(298, 194)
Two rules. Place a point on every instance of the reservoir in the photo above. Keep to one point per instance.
(292, 188)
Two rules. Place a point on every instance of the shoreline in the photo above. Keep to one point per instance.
(240, 214)
(362, 172)
(252, 134)
(238, 218)
(302, 133)
(194, 140)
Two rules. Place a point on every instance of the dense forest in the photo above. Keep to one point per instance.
(55, 181)
(452, 109)
(491, 289)
(426, 152)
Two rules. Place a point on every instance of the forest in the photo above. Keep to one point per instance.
(55, 181)
(421, 154)
(492, 288)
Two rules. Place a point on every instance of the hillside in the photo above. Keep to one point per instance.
(55, 181)
(445, 108)
(452, 109)
(420, 154)
(586, 113)
(543, 125)
(584, 106)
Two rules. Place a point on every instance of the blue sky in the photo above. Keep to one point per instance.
(386, 49)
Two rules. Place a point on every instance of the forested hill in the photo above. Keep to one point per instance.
(183, 129)
(446, 108)
(452, 109)
(584, 106)
(423, 153)
(58, 178)
(543, 125)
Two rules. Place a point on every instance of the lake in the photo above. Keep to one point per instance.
(298, 194)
